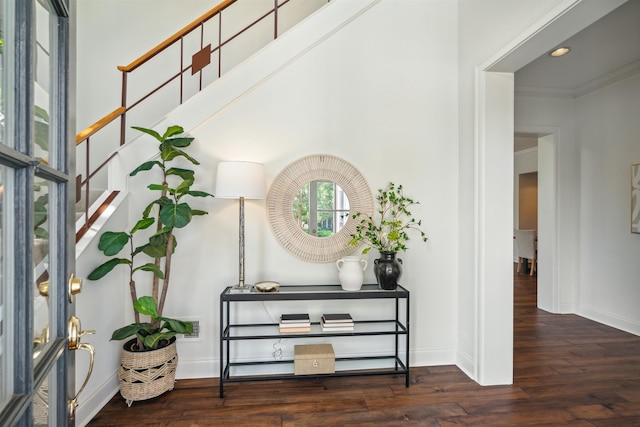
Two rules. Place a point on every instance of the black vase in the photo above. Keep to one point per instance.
(388, 270)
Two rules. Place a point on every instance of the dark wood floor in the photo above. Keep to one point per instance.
(568, 372)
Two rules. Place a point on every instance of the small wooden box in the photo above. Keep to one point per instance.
(312, 359)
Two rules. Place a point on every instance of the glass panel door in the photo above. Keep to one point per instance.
(36, 244)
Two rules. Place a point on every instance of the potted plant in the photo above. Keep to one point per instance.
(388, 232)
(169, 212)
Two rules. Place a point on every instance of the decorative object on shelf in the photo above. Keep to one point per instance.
(310, 359)
(296, 322)
(336, 322)
(286, 188)
(351, 272)
(388, 270)
(267, 286)
(240, 180)
(387, 232)
(172, 214)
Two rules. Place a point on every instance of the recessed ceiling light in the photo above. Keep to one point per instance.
(561, 51)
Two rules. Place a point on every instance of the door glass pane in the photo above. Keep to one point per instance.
(41, 292)
(42, 83)
(42, 405)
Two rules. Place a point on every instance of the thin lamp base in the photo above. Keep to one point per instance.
(241, 289)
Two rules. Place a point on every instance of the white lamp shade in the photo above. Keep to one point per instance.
(240, 179)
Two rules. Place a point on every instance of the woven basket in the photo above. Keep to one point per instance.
(147, 374)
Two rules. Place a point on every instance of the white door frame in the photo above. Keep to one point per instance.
(494, 289)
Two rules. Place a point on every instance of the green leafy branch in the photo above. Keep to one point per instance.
(387, 231)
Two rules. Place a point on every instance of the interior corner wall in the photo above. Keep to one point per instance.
(608, 129)
(597, 141)
(549, 115)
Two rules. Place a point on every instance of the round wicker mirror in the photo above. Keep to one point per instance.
(317, 167)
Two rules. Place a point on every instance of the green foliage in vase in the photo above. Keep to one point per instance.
(388, 229)
(169, 212)
(152, 334)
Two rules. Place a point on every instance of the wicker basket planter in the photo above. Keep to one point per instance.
(147, 374)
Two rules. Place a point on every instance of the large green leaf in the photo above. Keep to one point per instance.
(150, 267)
(184, 187)
(103, 269)
(152, 340)
(196, 193)
(145, 167)
(157, 247)
(140, 249)
(172, 130)
(176, 325)
(182, 173)
(177, 215)
(143, 224)
(112, 242)
(169, 153)
(179, 142)
(151, 132)
(132, 329)
(147, 306)
(158, 187)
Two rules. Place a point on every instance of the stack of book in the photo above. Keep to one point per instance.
(295, 322)
(334, 322)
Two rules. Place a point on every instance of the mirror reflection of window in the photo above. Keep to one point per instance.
(321, 208)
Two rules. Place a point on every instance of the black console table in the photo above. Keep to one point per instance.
(236, 332)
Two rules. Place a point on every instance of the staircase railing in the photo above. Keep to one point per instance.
(205, 55)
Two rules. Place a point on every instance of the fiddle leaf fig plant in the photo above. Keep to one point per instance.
(169, 212)
(387, 230)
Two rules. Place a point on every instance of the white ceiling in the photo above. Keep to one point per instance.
(609, 44)
(609, 47)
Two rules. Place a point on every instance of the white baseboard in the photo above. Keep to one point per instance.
(89, 406)
(609, 319)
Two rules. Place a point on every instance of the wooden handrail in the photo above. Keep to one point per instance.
(174, 38)
(83, 185)
(99, 124)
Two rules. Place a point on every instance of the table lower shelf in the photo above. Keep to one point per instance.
(399, 368)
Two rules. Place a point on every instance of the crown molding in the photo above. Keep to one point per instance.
(551, 92)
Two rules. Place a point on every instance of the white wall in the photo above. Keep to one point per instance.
(609, 133)
(102, 306)
(342, 98)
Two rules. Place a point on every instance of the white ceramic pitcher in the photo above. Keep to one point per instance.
(351, 272)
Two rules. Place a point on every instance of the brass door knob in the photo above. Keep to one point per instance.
(75, 286)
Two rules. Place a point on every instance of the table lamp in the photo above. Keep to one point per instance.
(240, 180)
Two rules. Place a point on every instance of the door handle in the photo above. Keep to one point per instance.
(75, 333)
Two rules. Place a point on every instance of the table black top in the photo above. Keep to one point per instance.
(311, 292)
